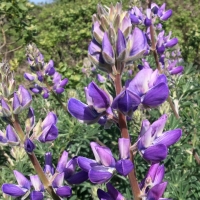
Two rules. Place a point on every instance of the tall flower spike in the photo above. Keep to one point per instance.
(113, 40)
(40, 73)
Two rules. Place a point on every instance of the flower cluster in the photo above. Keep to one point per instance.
(164, 43)
(105, 165)
(153, 143)
(64, 170)
(147, 88)
(114, 39)
(41, 71)
(152, 186)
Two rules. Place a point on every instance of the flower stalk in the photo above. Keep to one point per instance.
(124, 133)
(35, 162)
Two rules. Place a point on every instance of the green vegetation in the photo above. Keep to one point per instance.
(62, 33)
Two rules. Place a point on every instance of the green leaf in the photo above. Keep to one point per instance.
(22, 7)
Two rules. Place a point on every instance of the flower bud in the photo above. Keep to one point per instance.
(5, 109)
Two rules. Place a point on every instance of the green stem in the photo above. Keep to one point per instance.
(124, 133)
(35, 162)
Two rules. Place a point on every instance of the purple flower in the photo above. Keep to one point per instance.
(59, 84)
(137, 43)
(24, 97)
(42, 71)
(66, 167)
(5, 109)
(112, 193)
(48, 166)
(173, 68)
(152, 185)
(124, 166)
(154, 176)
(49, 130)
(49, 68)
(29, 146)
(170, 42)
(17, 190)
(62, 191)
(101, 78)
(126, 102)
(71, 176)
(107, 50)
(37, 193)
(30, 120)
(62, 162)
(136, 15)
(121, 46)
(40, 76)
(29, 77)
(98, 102)
(164, 42)
(10, 137)
(97, 32)
(102, 168)
(147, 21)
(160, 11)
(96, 57)
(36, 89)
(148, 88)
(153, 144)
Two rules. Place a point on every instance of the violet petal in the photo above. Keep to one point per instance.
(155, 153)
(124, 167)
(100, 174)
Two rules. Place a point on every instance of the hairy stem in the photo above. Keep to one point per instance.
(124, 133)
(35, 162)
(155, 54)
